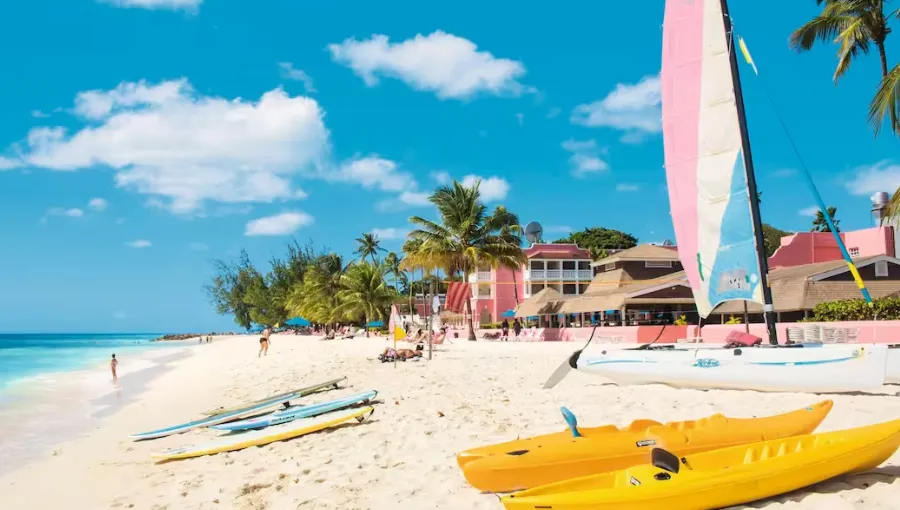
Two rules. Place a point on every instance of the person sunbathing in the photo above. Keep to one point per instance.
(390, 354)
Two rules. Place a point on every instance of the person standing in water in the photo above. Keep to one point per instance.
(113, 363)
(264, 342)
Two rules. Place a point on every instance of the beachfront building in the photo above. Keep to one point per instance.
(646, 285)
(564, 268)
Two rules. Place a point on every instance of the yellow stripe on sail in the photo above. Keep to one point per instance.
(746, 53)
(856, 276)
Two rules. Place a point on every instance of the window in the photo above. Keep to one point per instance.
(582, 287)
(570, 289)
(881, 269)
(658, 263)
(568, 265)
(609, 267)
(854, 252)
(584, 265)
(537, 264)
(536, 287)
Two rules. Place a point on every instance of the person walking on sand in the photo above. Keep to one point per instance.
(505, 328)
(264, 342)
(113, 363)
(517, 327)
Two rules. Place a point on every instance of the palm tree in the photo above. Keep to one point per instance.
(368, 246)
(317, 297)
(364, 293)
(411, 263)
(855, 25)
(393, 267)
(465, 236)
(510, 232)
(819, 223)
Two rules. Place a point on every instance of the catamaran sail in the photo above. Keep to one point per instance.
(707, 159)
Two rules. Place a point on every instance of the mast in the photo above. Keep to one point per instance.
(768, 307)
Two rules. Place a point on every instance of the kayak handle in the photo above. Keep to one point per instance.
(571, 421)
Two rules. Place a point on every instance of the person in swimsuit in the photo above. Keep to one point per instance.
(505, 328)
(113, 363)
(264, 342)
(517, 327)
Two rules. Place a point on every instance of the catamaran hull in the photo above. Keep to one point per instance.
(837, 369)
(892, 371)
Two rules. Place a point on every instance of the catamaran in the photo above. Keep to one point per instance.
(715, 212)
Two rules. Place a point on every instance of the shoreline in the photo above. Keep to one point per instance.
(471, 394)
(45, 410)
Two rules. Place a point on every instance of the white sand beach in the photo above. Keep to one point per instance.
(470, 394)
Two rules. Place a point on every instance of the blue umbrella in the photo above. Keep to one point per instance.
(508, 313)
(297, 321)
(376, 324)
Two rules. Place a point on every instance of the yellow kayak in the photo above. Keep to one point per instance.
(526, 463)
(720, 478)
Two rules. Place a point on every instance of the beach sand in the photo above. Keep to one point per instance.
(470, 394)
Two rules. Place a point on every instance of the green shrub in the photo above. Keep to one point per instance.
(857, 310)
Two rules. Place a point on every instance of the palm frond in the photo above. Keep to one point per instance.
(886, 102)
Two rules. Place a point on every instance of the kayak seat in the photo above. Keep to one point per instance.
(664, 459)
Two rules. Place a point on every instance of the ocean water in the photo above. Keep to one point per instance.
(25, 356)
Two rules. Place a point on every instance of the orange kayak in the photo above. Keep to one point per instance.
(540, 460)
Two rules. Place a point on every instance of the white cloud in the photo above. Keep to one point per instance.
(97, 204)
(39, 114)
(450, 66)
(491, 188)
(631, 108)
(585, 158)
(869, 179)
(442, 178)
(9, 164)
(520, 118)
(73, 212)
(390, 233)
(561, 229)
(139, 243)
(292, 73)
(808, 211)
(415, 198)
(625, 187)
(375, 172)
(198, 247)
(172, 5)
(278, 225)
(553, 112)
(184, 149)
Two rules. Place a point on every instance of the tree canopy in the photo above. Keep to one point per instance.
(599, 239)
(772, 237)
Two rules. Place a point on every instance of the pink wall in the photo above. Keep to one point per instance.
(811, 247)
(869, 332)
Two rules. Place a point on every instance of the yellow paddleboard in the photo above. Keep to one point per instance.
(231, 442)
(539, 460)
(720, 478)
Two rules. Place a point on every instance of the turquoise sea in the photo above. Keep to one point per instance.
(32, 354)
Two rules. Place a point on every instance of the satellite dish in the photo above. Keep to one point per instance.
(533, 232)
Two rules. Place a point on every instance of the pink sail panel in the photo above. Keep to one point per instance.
(708, 193)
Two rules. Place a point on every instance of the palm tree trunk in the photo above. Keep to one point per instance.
(515, 288)
(883, 55)
(367, 325)
(471, 324)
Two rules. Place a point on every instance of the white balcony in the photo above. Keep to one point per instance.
(585, 274)
(553, 274)
(535, 274)
(557, 274)
(480, 276)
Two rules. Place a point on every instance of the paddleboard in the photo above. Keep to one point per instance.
(296, 412)
(299, 392)
(296, 428)
(263, 406)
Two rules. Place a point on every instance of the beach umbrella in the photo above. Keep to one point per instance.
(508, 313)
(376, 324)
(297, 322)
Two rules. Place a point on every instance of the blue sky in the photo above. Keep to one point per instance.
(141, 139)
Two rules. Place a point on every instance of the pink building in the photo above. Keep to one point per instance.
(813, 247)
(563, 267)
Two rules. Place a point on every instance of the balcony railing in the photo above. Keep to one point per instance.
(553, 274)
(535, 274)
(480, 276)
(557, 274)
(584, 274)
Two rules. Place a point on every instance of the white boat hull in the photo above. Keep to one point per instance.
(812, 369)
(892, 371)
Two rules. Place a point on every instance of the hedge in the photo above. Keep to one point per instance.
(857, 310)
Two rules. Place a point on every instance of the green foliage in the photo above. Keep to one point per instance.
(368, 245)
(466, 236)
(599, 239)
(229, 284)
(857, 310)
(364, 294)
(821, 225)
(772, 238)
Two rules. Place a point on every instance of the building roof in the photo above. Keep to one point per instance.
(557, 251)
(545, 302)
(612, 298)
(641, 253)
